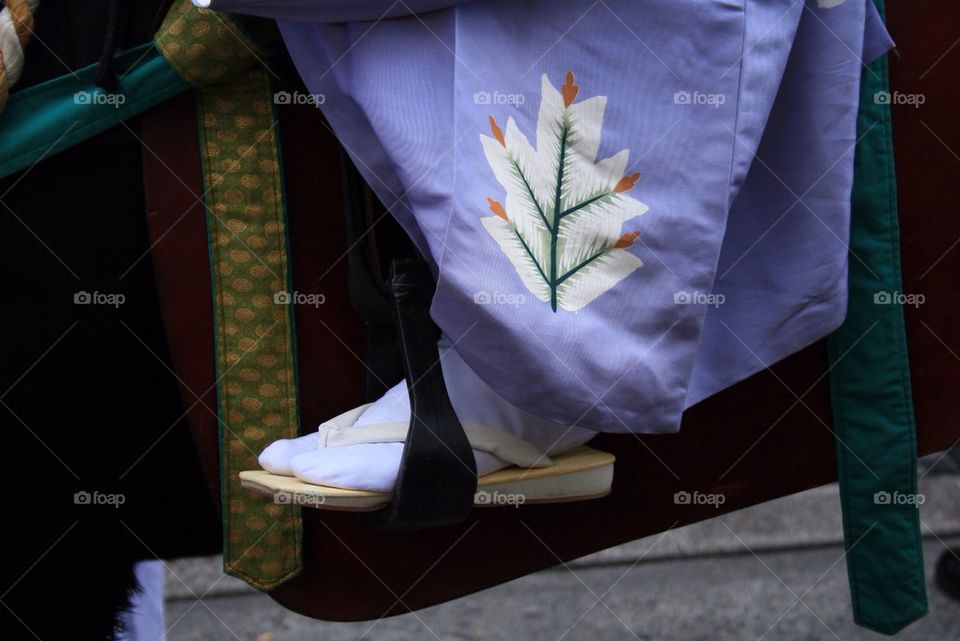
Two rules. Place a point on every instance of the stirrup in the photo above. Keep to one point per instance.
(437, 482)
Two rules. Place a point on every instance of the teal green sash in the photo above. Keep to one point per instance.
(870, 390)
(55, 115)
(42, 120)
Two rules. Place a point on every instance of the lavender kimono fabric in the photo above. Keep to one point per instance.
(576, 173)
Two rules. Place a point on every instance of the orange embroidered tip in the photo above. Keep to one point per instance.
(497, 132)
(569, 90)
(627, 182)
(627, 240)
(497, 208)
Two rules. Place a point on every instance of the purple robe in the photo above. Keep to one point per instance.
(629, 204)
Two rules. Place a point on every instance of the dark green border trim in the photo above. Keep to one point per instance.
(870, 390)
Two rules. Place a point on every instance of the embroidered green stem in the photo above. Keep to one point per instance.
(555, 228)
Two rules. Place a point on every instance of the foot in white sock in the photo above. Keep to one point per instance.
(367, 466)
(373, 466)
(276, 458)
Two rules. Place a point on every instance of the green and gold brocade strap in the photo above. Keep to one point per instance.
(250, 271)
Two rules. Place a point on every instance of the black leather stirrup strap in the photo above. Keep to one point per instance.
(438, 474)
(369, 293)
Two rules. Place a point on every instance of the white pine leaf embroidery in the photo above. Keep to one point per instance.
(563, 215)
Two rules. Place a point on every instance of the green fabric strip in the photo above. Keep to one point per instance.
(45, 119)
(250, 273)
(871, 396)
(255, 339)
